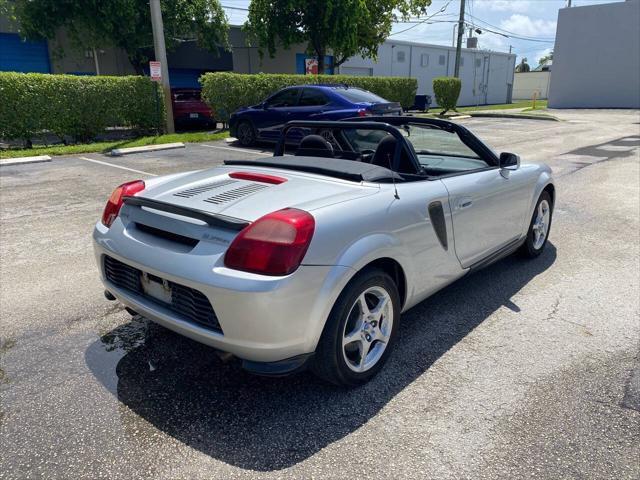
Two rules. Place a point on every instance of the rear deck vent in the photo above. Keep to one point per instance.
(207, 187)
(236, 193)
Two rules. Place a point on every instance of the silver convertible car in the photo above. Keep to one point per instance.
(308, 260)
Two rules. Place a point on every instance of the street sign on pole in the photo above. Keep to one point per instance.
(155, 71)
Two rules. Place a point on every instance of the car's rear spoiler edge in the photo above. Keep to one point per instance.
(214, 220)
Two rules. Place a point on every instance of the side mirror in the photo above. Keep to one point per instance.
(509, 161)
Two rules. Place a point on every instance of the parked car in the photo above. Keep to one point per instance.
(263, 122)
(189, 109)
(309, 260)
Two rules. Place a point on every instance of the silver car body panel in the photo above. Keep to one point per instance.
(266, 318)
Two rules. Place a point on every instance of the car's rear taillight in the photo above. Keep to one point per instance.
(114, 204)
(272, 245)
(363, 113)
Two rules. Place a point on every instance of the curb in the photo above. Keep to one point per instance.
(515, 115)
(116, 152)
(7, 162)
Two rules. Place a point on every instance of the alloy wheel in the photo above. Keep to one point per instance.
(368, 329)
(541, 224)
(245, 133)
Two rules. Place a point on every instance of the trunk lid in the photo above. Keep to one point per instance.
(205, 210)
(215, 192)
(389, 108)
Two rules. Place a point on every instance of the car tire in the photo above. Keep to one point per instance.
(539, 227)
(351, 330)
(246, 134)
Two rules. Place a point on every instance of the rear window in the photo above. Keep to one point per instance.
(357, 95)
(187, 96)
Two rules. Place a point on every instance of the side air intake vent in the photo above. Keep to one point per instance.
(436, 213)
(207, 187)
(236, 193)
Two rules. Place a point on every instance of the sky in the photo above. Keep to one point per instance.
(533, 19)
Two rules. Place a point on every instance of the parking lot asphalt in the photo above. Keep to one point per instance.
(527, 369)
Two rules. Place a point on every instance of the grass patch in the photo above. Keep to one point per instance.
(104, 147)
(527, 104)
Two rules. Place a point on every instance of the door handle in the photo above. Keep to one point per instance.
(464, 202)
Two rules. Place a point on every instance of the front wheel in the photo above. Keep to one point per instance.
(539, 227)
(246, 134)
(360, 330)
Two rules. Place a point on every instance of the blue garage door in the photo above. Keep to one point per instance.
(19, 56)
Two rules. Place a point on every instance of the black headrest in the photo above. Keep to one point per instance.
(315, 146)
(385, 152)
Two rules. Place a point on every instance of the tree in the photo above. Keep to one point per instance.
(343, 27)
(523, 66)
(124, 23)
(546, 59)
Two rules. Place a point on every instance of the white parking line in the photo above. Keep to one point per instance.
(117, 166)
(233, 149)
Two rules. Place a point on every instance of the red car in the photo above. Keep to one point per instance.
(189, 109)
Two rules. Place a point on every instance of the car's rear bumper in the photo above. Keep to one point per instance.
(263, 319)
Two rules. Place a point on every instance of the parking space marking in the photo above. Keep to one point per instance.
(118, 166)
(233, 149)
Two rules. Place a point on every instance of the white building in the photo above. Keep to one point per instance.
(526, 84)
(487, 77)
(596, 59)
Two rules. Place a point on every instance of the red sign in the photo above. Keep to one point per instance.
(311, 66)
(155, 71)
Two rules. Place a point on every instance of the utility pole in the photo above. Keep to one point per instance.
(161, 56)
(456, 71)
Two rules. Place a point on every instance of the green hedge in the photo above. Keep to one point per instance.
(74, 106)
(447, 91)
(226, 92)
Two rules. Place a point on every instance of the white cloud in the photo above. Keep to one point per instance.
(493, 42)
(524, 25)
(519, 6)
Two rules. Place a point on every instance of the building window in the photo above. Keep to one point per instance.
(424, 60)
(400, 56)
(441, 60)
(478, 63)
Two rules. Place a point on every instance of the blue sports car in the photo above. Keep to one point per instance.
(263, 122)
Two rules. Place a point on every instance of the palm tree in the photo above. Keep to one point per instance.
(546, 58)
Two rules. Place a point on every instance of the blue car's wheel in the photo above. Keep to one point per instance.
(246, 134)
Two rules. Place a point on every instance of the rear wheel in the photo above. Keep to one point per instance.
(539, 227)
(360, 330)
(246, 134)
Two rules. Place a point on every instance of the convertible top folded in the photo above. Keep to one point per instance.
(331, 167)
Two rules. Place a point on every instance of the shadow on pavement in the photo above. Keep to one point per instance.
(183, 389)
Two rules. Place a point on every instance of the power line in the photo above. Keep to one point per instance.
(423, 21)
(511, 34)
(429, 21)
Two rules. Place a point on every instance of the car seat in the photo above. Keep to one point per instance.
(315, 146)
(384, 157)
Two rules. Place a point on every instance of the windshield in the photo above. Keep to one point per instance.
(187, 96)
(427, 140)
